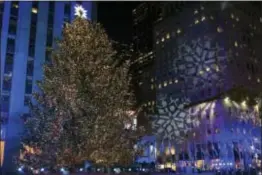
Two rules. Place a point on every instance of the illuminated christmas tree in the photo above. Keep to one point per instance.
(83, 103)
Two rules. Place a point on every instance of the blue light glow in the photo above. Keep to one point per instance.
(20, 169)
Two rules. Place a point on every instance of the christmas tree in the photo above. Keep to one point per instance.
(81, 109)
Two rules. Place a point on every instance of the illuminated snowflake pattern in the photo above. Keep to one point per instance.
(80, 11)
(199, 62)
(174, 121)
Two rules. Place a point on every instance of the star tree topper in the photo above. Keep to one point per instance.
(80, 11)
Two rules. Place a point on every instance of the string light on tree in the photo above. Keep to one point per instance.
(80, 11)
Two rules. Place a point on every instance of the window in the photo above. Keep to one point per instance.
(28, 86)
(7, 84)
(220, 29)
(1, 8)
(5, 100)
(34, 10)
(79, 2)
(12, 26)
(9, 61)
(1, 14)
(14, 8)
(10, 45)
(50, 20)
(32, 40)
(30, 68)
(31, 50)
(27, 100)
(32, 36)
(34, 7)
(34, 19)
(49, 39)
(51, 7)
(48, 55)
(67, 9)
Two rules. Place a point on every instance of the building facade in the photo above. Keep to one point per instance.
(28, 30)
(202, 51)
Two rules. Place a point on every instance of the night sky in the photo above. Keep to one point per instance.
(116, 17)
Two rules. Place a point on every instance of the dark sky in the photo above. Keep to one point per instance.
(116, 18)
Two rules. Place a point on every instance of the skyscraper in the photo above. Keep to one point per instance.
(203, 50)
(28, 29)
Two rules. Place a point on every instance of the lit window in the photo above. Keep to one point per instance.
(167, 36)
(176, 81)
(16, 6)
(219, 30)
(211, 17)
(249, 77)
(258, 80)
(196, 21)
(152, 86)
(170, 82)
(202, 8)
(236, 44)
(149, 103)
(217, 68)
(237, 19)
(140, 83)
(157, 42)
(207, 69)
(195, 12)
(178, 31)
(159, 86)
(232, 16)
(163, 39)
(201, 72)
(203, 18)
(153, 102)
(34, 10)
(260, 19)
(152, 79)
(165, 83)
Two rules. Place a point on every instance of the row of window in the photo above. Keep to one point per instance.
(67, 12)
(31, 52)
(1, 15)
(49, 39)
(4, 98)
(197, 21)
(9, 63)
(149, 104)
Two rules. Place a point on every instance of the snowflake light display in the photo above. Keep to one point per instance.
(199, 62)
(80, 11)
(174, 121)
